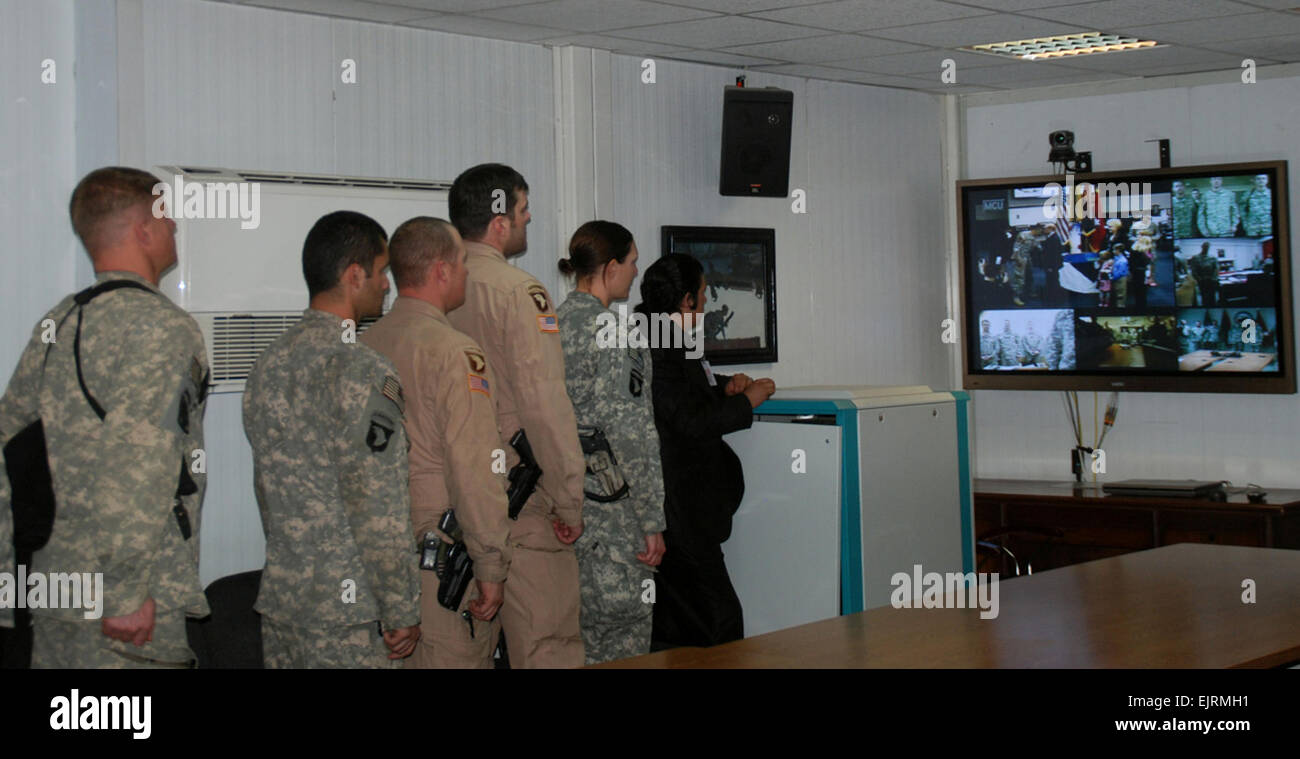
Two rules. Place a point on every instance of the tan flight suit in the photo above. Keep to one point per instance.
(511, 315)
(452, 427)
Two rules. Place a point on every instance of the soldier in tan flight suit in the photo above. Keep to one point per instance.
(452, 427)
(510, 314)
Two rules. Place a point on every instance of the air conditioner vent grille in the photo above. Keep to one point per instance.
(238, 340)
(310, 180)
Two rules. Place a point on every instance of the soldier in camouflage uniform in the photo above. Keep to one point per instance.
(1257, 209)
(324, 416)
(127, 497)
(1184, 212)
(1009, 348)
(610, 389)
(988, 346)
(1060, 342)
(1027, 243)
(1218, 216)
(1031, 347)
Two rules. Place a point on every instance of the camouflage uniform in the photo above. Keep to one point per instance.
(1257, 216)
(6, 537)
(1218, 213)
(1009, 349)
(1184, 213)
(610, 389)
(988, 350)
(116, 480)
(1021, 254)
(1031, 348)
(324, 418)
(1060, 342)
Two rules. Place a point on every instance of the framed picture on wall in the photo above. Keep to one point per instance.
(740, 275)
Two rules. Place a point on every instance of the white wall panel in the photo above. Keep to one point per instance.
(37, 167)
(861, 276)
(253, 88)
(1164, 435)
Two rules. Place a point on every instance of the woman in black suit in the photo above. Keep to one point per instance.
(695, 603)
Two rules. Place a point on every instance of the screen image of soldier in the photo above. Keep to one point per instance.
(1009, 348)
(1205, 269)
(1027, 244)
(452, 426)
(611, 391)
(119, 390)
(1218, 215)
(1060, 342)
(324, 416)
(1031, 347)
(988, 346)
(512, 317)
(1257, 208)
(1184, 212)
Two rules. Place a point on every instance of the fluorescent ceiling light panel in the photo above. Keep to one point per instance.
(1063, 46)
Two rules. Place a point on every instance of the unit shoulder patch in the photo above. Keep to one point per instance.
(538, 294)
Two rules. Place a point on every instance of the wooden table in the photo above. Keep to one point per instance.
(1177, 606)
(1056, 524)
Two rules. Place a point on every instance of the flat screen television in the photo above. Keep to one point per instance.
(1173, 280)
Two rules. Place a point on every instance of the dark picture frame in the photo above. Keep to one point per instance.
(739, 268)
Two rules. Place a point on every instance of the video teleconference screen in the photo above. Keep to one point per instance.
(1172, 279)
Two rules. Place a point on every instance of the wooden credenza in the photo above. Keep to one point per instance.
(1055, 524)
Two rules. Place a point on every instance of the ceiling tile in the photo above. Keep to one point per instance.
(1285, 48)
(1266, 24)
(384, 14)
(593, 15)
(485, 27)
(1106, 13)
(923, 63)
(721, 31)
(1138, 62)
(862, 15)
(978, 30)
(1017, 5)
(719, 58)
(614, 44)
(825, 48)
(456, 6)
(1030, 74)
(741, 6)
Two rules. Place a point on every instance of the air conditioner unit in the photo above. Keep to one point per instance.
(239, 239)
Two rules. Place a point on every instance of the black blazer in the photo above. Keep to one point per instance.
(703, 479)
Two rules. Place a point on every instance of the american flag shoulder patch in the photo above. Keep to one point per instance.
(392, 390)
(547, 323)
(478, 384)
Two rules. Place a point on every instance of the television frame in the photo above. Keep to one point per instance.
(1283, 383)
(767, 238)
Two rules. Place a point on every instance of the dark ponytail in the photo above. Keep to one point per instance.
(595, 244)
(667, 281)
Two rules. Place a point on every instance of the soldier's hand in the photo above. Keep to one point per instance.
(402, 642)
(737, 384)
(136, 627)
(490, 597)
(567, 534)
(654, 550)
(759, 391)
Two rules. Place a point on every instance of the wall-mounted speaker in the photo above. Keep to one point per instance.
(756, 141)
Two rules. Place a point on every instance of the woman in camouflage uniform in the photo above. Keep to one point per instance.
(608, 379)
